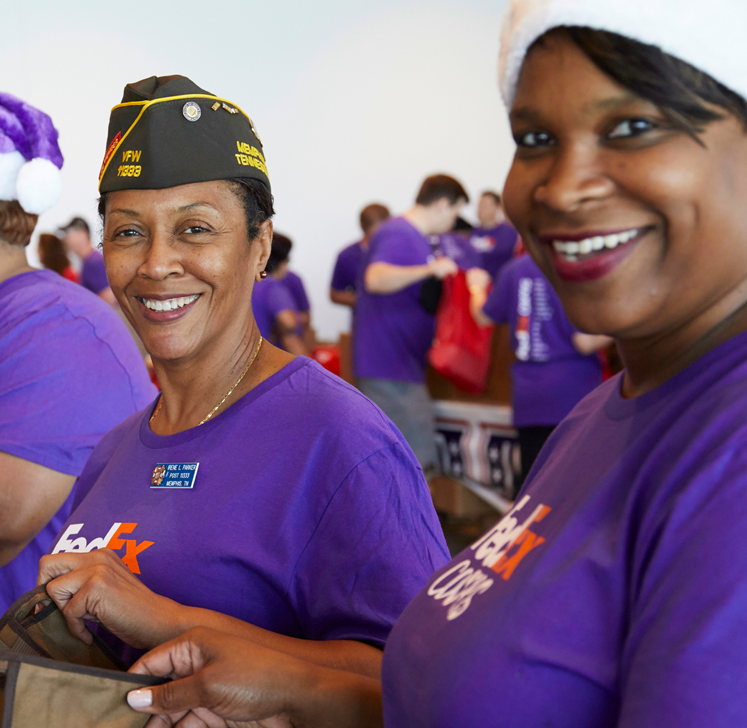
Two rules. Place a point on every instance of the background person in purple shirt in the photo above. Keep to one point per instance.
(293, 284)
(494, 239)
(614, 593)
(69, 370)
(273, 306)
(347, 271)
(76, 236)
(555, 366)
(456, 245)
(393, 329)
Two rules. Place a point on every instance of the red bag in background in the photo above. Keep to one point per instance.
(461, 349)
(328, 357)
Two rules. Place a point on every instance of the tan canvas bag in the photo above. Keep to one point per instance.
(50, 679)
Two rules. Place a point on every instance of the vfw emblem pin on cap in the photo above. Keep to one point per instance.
(174, 476)
(191, 111)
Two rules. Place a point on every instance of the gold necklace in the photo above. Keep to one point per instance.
(225, 396)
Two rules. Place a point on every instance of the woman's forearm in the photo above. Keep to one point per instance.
(345, 655)
(339, 699)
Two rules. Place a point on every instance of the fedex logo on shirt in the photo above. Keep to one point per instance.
(112, 540)
(501, 550)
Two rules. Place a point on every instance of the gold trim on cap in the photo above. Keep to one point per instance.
(147, 104)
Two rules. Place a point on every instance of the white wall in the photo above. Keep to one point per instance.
(355, 101)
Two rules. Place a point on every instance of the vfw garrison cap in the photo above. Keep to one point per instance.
(168, 132)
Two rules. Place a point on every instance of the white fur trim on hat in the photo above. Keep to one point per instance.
(707, 34)
(39, 185)
(10, 166)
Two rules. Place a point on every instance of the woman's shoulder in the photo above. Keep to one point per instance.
(327, 406)
(115, 437)
(122, 435)
(53, 307)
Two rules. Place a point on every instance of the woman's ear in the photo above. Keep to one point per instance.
(264, 243)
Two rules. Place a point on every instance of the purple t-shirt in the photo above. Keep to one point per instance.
(309, 514)
(460, 250)
(69, 371)
(347, 268)
(269, 298)
(495, 246)
(93, 273)
(295, 285)
(393, 332)
(615, 592)
(549, 375)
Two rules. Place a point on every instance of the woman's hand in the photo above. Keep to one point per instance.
(478, 278)
(97, 586)
(220, 680)
(442, 267)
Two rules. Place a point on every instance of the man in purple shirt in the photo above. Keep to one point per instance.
(347, 267)
(76, 236)
(495, 239)
(393, 330)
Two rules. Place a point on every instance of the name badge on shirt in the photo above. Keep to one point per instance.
(176, 476)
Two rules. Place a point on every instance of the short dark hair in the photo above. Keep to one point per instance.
(257, 201)
(372, 215)
(254, 196)
(16, 225)
(281, 248)
(496, 197)
(438, 186)
(77, 223)
(680, 90)
(52, 253)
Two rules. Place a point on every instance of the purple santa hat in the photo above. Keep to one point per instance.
(30, 158)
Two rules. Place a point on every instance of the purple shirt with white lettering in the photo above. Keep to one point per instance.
(294, 284)
(69, 371)
(495, 246)
(393, 332)
(93, 273)
(460, 250)
(347, 268)
(549, 375)
(615, 591)
(309, 514)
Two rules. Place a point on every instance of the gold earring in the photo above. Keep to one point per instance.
(263, 274)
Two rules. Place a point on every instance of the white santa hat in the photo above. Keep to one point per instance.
(30, 157)
(707, 34)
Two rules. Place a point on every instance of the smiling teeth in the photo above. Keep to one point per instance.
(587, 245)
(169, 305)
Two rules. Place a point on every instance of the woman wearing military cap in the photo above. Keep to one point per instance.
(258, 494)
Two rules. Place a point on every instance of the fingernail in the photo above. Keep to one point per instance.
(140, 698)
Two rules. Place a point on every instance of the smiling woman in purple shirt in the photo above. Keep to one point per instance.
(259, 494)
(614, 593)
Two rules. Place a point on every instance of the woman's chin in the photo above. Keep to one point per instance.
(167, 351)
